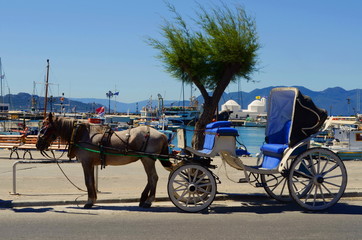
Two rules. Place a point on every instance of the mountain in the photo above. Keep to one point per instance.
(25, 101)
(337, 101)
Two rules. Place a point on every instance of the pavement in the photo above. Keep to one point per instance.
(40, 184)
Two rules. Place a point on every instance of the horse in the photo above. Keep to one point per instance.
(97, 145)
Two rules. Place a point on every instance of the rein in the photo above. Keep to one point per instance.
(132, 154)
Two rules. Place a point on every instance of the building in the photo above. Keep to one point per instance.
(255, 109)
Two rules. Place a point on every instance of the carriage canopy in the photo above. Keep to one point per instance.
(292, 116)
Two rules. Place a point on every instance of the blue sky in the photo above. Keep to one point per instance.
(97, 46)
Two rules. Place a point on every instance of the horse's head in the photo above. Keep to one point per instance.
(47, 134)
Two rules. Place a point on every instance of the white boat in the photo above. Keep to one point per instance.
(260, 121)
(347, 137)
(185, 114)
(347, 144)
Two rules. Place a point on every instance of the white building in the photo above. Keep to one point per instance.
(255, 108)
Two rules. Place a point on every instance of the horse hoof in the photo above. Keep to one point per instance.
(88, 206)
(145, 205)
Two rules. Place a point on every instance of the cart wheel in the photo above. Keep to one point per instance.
(317, 179)
(276, 186)
(191, 188)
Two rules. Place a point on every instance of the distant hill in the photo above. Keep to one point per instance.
(334, 100)
(23, 102)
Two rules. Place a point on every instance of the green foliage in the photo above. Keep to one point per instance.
(222, 47)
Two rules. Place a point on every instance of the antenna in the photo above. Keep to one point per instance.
(358, 105)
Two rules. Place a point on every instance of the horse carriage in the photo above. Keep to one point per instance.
(287, 167)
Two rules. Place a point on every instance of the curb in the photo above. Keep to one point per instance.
(218, 197)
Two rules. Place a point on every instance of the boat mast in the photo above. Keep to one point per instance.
(46, 90)
(1, 82)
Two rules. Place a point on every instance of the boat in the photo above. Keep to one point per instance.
(346, 140)
(187, 115)
(260, 121)
(347, 144)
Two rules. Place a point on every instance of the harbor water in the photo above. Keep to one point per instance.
(251, 137)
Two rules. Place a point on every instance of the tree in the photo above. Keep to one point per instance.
(220, 51)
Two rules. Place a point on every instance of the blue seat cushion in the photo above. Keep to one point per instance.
(273, 153)
(210, 138)
(218, 124)
(270, 162)
(272, 149)
(227, 131)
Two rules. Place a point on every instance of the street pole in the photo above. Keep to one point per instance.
(46, 90)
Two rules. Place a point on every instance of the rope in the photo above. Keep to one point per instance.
(71, 182)
(61, 169)
(124, 154)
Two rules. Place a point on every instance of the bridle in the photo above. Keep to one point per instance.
(46, 136)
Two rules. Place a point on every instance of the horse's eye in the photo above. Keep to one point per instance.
(42, 130)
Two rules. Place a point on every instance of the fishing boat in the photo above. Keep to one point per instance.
(347, 144)
(347, 137)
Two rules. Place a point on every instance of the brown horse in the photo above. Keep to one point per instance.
(94, 145)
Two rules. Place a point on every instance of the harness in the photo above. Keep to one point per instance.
(106, 138)
(104, 145)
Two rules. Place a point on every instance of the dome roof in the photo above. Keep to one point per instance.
(231, 103)
(257, 103)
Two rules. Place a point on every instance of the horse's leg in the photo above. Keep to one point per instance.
(148, 194)
(88, 169)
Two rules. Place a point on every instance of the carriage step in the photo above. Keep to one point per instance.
(243, 180)
(259, 185)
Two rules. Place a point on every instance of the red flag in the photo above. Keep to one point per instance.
(100, 110)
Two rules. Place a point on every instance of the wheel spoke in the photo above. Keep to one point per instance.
(180, 183)
(322, 194)
(308, 193)
(182, 195)
(333, 184)
(195, 175)
(202, 177)
(328, 190)
(331, 169)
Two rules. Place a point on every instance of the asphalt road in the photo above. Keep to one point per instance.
(225, 220)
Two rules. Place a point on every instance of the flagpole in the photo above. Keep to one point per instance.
(115, 99)
(1, 82)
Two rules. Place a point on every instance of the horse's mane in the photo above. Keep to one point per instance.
(65, 126)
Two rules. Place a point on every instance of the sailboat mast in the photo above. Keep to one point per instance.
(1, 82)
(46, 90)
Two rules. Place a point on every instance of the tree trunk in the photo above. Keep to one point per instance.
(205, 118)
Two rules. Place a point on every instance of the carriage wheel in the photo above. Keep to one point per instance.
(317, 179)
(276, 186)
(191, 188)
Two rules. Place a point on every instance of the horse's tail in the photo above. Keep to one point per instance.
(164, 159)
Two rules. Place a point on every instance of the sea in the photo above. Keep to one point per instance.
(251, 137)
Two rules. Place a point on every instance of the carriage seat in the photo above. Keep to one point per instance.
(218, 136)
(274, 149)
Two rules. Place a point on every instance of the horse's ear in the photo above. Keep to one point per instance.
(50, 117)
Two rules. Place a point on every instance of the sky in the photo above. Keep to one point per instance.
(100, 46)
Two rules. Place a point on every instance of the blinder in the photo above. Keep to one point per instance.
(46, 136)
